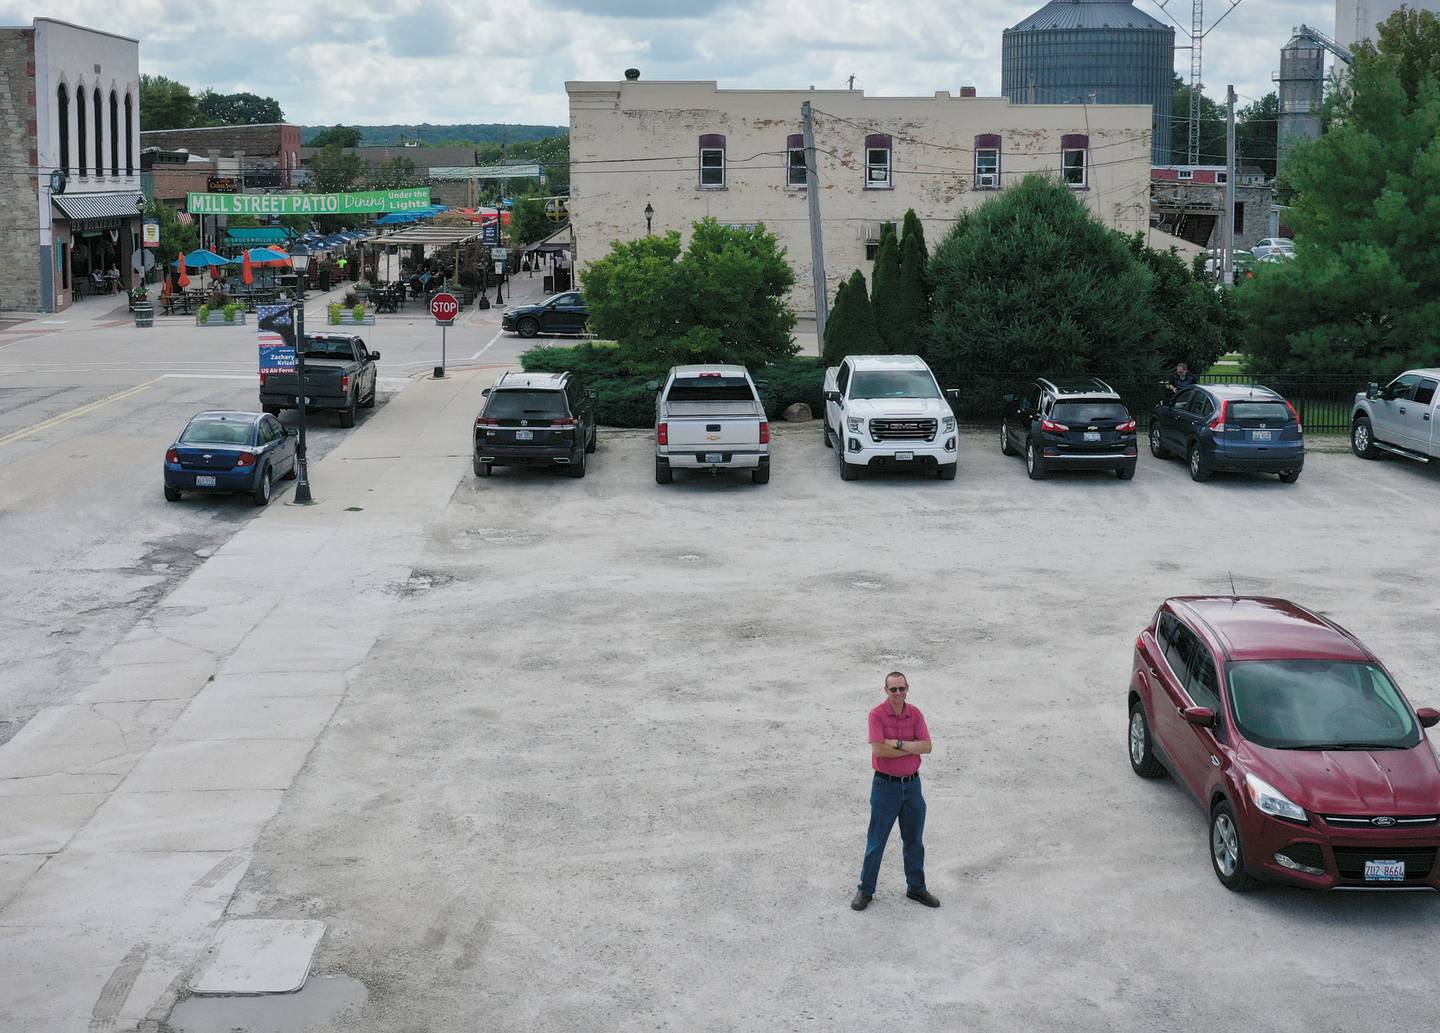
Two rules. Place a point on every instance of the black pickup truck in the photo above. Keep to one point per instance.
(339, 375)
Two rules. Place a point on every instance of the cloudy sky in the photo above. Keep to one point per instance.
(362, 61)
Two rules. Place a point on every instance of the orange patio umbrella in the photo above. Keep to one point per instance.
(184, 280)
(247, 270)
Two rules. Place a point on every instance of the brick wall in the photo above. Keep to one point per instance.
(20, 286)
(261, 141)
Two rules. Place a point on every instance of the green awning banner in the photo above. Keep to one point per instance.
(356, 203)
(260, 235)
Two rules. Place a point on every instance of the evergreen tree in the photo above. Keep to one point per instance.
(853, 331)
(914, 229)
(913, 291)
(835, 307)
(890, 318)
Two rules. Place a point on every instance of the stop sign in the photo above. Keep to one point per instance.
(445, 307)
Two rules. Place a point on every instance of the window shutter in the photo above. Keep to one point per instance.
(1070, 141)
(713, 140)
(987, 140)
(878, 140)
(795, 140)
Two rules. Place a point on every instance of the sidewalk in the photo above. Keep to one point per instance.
(128, 817)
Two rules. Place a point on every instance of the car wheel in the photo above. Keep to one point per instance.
(848, 472)
(760, 475)
(483, 469)
(271, 410)
(576, 469)
(947, 471)
(347, 414)
(1034, 465)
(594, 440)
(262, 493)
(1125, 472)
(1362, 439)
(1157, 446)
(1227, 852)
(1289, 476)
(527, 328)
(293, 472)
(172, 494)
(1199, 469)
(663, 473)
(1006, 449)
(1142, 757)
(829, 442)
(369, 403)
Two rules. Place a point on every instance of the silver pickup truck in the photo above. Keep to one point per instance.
(1402, 418)
(710, 418)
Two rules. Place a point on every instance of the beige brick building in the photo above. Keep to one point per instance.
(690, 149)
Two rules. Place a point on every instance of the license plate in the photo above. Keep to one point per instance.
(1260, 435)
(524, 435)
(1384, 871)
(1092, 435)
(904, 457)
(201, 481)
(714, 457)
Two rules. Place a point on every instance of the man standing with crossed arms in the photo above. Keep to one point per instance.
(898, 736)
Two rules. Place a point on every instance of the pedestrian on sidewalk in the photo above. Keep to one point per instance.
(898, 738)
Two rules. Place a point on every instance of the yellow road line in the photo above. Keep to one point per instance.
(56, 420)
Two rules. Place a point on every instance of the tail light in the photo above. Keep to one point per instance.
(662, 434)
(486, 421)
(345, 382)
(764, 432)
(1218, 423)
(1294, 414)
(1125, 427)
(262, 378)
(568, 421)
(172, 456)
(1051, 427)
(246, 459)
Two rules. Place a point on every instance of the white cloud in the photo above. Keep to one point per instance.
(364, 61)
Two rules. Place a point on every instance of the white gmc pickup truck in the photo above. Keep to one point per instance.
(888, 411)
(710, 418)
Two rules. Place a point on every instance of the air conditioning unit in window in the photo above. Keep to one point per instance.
(987, 179)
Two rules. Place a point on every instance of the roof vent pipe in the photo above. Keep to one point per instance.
(632, 75)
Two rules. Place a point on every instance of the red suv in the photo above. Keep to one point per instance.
(1311, 762)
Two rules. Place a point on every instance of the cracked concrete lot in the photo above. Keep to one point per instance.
(605, 766)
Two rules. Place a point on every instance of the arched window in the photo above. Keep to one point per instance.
(129, 135)
(81, 136)
(114, 134)
(99, 133)
(62, 101)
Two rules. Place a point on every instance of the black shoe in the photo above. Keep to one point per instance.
(861, 901)
(924, 896)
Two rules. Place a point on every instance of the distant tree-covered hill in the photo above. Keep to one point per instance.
(441, 136)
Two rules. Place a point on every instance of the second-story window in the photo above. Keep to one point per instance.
(712, 161)
(796, 176)
(878, 153)
(1074, 160)
(987, 161)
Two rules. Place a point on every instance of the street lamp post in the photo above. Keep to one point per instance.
(649, 214)
(300, 259)
(499, 279)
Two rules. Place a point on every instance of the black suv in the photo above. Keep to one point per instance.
(535, 419)
(1076, 423)
(564, 313)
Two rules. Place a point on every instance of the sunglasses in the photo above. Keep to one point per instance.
(897, 688)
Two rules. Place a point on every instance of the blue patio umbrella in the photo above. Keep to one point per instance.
(201, 258)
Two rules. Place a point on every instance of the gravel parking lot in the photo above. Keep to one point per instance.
(607, 768)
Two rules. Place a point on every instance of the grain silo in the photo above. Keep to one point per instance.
(1093, 51)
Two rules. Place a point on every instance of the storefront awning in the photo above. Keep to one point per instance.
(98, 206)
(257, 236)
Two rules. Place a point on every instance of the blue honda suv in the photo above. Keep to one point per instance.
(1237, 428)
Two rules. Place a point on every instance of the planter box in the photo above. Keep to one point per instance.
(218, 319)
(346, 319)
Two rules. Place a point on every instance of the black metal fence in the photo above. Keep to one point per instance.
(1323, 400)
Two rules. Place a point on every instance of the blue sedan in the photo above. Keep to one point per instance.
(230, 451)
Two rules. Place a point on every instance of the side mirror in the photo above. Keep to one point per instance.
(952, 393)
(1202, 717)
(374, 356)
(1372, 391)
(762, 384)
(294, 432)
(1011, 398)
(486, 392)
(832, 396)
(653, 385)
(1429, 717)
(591, 395)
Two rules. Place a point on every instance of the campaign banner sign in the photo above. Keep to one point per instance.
(356, 202)
(277, 338)
(490, 232)
(151, 231)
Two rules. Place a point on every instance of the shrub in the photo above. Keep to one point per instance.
(203, 313)
(230, 311)
(333, 312)
(853, 331)
(800, 378)
(359, 313)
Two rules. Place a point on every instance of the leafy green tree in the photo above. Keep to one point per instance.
(238, 109)
(885, 279)
(166, 104)
(1363, 292)
(336, 136)
(1195, 323)
(334, 170)
(1410, 39)
(1212, 127)
(722, 299)
(175, 236)
(852, 329)
(1256, 133)
(528, 222)
(393, 173)
(1031, 282)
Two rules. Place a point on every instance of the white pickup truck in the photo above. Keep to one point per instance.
(710, 418)
(888, 411)
(1402, 418)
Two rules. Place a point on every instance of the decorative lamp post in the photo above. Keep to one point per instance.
(499, 279)
(300, 259)
(649, 214)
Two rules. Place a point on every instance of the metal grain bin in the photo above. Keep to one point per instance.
(1093, 51)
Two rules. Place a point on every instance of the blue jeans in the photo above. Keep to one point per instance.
(888, 801)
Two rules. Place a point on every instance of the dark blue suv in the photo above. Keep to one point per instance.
(1239, 428)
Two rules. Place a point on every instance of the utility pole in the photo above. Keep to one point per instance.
(817, 243)
(1227, 265)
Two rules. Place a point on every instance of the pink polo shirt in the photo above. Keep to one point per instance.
(910, 726)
